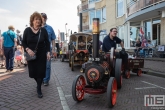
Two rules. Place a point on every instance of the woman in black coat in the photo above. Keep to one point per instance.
(31, 34)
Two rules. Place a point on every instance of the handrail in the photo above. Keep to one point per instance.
(134, 6)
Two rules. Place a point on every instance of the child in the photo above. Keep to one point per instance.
(18, 55)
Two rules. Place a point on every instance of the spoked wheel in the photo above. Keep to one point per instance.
(78, 88)
(139, 72)
(127, 74)
(72, 63)
(111, 92)
(118, 71)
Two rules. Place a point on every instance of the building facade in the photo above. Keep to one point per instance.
(128, 16)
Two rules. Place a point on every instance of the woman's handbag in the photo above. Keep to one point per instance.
(30, 58)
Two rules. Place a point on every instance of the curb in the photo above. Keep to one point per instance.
(154, 73)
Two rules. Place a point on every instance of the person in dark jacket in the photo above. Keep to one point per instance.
(110, 41)
(31, 34)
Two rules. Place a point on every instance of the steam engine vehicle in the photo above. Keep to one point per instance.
(78, 52)
(102, 73)
(134, 65)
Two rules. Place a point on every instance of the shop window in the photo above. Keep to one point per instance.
(134, 35)
(147, 29)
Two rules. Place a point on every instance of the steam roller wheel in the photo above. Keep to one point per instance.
(72, 63)
(139, 72)
(127, 74)
(118, 69)
(62, 58)
(78, 88)
(111, 92)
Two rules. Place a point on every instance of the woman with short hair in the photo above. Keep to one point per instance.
(31, 36)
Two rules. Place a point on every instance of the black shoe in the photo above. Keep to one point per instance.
(39, 93)
(25, 65)
(46, 83)
(11, 70)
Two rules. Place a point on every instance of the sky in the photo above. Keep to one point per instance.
(59, 12)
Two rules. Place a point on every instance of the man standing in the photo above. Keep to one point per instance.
(19, 38)
(110, 41)
(51, 38)
(9, 43)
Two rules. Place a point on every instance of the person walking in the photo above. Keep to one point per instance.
(51, 37)
(33, 35)
(9, 42)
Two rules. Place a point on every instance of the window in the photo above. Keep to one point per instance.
(134, 35)
(98, 15)
(147, 29)
(101, 14)
(92, 15)
(156, 20)
(104, 14)
(121, 33)
(93, 1)
(120, 8)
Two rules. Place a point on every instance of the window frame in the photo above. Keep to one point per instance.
(102, 15)
(117, 9)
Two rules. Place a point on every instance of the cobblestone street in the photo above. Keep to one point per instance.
(18, 91)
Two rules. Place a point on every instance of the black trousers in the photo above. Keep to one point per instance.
(39, 83)
(124, 59)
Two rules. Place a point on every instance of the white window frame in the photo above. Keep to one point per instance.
(102, 14)
(117, 9)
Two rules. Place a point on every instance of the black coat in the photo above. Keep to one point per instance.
(37, 68)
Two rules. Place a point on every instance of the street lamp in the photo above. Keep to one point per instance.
(66, 30)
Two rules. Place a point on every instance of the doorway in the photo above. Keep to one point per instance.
(156, 33)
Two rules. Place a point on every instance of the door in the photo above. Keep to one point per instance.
(156, 33)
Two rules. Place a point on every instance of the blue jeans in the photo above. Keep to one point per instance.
(9, 54)
(48, 71)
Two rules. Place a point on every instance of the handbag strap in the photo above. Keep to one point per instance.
(38, 40)
(10, 36)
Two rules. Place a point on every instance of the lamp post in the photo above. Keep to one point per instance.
(66, 30)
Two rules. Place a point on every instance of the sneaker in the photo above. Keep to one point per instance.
(7, 70)
(11, 70)
(46, 83)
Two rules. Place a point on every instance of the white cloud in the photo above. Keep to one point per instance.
(4, 11)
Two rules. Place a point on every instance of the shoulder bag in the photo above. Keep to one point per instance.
(31, 58)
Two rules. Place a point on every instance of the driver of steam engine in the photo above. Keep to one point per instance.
(81, 42)
(110, 41)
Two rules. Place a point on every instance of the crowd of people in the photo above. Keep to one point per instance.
(144, 48)
(37, 40)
